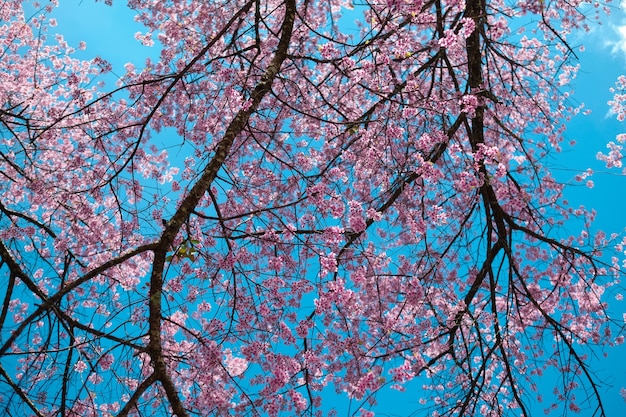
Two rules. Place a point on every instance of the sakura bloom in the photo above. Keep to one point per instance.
(283, 213)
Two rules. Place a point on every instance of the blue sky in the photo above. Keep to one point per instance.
(109, 33)
(602, 62)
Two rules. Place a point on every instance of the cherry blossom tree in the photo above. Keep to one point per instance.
(299, 203)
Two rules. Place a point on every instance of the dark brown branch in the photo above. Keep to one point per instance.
(192, 199)
(132, 401)
(19, 392)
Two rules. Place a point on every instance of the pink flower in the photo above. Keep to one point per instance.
(328, 263)
(449, 39)
(80, 366)
(298, 400)
(106, 361)
(468, 27)
(469, 103)
(355, 216)
(234, 366)
(328, 50)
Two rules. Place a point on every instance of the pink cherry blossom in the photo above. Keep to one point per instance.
(290, 206)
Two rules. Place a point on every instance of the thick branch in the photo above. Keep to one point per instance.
(192, 199)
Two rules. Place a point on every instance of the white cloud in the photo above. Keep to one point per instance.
(618, 46)
(615, 36)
